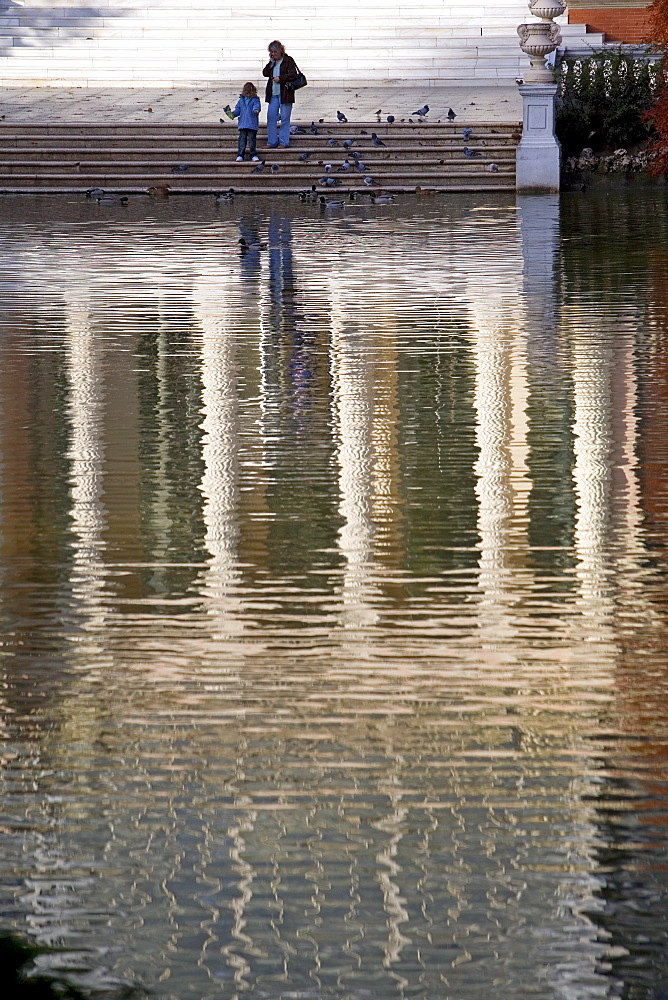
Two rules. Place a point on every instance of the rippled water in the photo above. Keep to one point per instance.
(333, 596)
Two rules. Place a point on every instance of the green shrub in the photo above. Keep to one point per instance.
(603, 99)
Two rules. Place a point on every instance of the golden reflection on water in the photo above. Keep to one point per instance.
(332, 631)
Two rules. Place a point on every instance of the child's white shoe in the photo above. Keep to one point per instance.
(255, 159)
(240, 159)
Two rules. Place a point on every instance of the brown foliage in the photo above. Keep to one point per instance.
(657, 14)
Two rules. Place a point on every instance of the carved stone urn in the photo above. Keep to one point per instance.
(541, 37)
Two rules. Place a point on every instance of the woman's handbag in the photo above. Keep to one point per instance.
(298, 82)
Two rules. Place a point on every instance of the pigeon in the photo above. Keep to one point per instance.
(375, 140)
(161, 191)
(344, 167)
(341, 117)
(361, 167)
(423, 111)
(314, 129)
(95, 192)
(355, 155)
(493, 168)
(390, 119)
(304, 157)
(328, 167)
(370, 181)
(297, 130)
(332, 142)
(225, 196)
(467, 134)
(275, 168)
(259, 168)
(347, 143)
(380, 111)
(255, 245)
(181, 168)
(332, 181)
(471, 152)
(451, 115)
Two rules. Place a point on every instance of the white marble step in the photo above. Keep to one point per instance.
(171, 42)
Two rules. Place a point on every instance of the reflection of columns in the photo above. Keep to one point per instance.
(591, 471)
(394, 824)
(246, 876)
(86, 454)
(353, 401)
(503, 486)
(608, 522)
(220, 444)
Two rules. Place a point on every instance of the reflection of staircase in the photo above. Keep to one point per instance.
(204, 42)
(131, 158)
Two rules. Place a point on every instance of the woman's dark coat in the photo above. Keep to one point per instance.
(288, 72)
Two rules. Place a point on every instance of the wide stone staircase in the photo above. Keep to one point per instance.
(181, 158)
(205, 43)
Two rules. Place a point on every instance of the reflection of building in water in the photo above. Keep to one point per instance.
(388, 807)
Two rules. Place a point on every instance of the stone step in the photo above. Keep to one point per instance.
(176, 131)
(427, 153)
(304, 172)
(46, 184)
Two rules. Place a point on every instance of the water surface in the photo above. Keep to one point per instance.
(333, 595)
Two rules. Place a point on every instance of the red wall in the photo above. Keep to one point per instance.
(619, 24)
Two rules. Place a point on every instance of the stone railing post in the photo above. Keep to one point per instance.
(539, 152)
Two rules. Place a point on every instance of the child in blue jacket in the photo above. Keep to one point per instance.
(247, 110)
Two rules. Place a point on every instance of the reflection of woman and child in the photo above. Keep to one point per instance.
(290, 339)
(280, 70)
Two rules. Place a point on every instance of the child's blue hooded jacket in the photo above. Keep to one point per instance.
(244, 111)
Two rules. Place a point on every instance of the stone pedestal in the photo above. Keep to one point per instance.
(539, 151)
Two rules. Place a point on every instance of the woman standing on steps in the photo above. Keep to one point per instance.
(280, 69)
